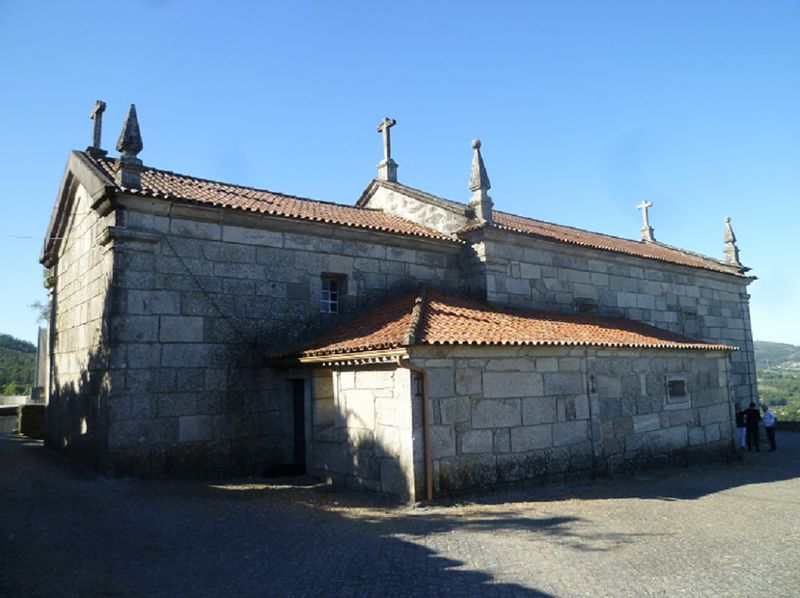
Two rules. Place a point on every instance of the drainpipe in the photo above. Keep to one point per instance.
(426, 425)
(590, 390)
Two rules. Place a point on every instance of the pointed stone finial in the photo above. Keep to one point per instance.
(387, 168)
(647, 230)
(731, 251)
(479, 184)
(97, 116)
(128, 168)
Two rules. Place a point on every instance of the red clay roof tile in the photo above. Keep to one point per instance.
(444, 318)
(162, 184)
(576, 236)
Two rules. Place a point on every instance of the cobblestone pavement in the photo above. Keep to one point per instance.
(719, 530)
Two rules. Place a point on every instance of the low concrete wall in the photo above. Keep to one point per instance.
(8, 424)
(14, 400)
(27, 420)
(30, 421)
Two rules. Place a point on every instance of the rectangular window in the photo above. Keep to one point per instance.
(331, 294)
(676, 389)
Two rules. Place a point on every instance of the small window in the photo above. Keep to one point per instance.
(676, 389)
(330, 298)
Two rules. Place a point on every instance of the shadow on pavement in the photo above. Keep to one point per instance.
(68, 532)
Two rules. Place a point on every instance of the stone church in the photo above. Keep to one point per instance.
(407, 344)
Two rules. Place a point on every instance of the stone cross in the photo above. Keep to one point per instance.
(384, 127)
(97, 116)
(647, 230)
(387, 168)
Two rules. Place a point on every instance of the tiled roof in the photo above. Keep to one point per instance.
(576, 236)
(435, 317)
(567, 234)
(162, 184)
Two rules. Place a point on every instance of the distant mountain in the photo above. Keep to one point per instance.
(774, 354)
(16, 365)
(778, 373)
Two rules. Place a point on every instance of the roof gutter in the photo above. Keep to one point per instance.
(359, 358)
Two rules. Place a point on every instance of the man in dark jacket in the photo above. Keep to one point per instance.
(751, 419)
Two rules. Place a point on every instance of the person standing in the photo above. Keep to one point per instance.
(769, 425)
(751, 419)
(740, 427)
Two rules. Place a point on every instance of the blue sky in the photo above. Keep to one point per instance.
(584, 109)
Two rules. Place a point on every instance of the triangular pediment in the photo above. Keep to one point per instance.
(80, 171)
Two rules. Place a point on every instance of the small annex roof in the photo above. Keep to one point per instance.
(436, 317)
(163, 184)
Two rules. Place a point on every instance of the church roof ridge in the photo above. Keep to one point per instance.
(656, 250)
(235, 185)
(166, 184)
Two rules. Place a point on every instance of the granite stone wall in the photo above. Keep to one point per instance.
(513, 414)
(521, 270)
(201, 297)
(441, 215)
(700, 304)
(362, 429)
(77, 413)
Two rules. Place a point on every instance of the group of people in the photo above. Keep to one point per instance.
(747, 426)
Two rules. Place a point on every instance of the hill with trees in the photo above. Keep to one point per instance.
(17, 359)
(778, 373)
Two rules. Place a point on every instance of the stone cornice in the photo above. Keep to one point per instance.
(510, 237)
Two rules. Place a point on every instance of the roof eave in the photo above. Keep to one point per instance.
(376, 357)
(79, 170)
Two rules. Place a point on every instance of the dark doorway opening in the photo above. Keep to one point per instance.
(297, 466)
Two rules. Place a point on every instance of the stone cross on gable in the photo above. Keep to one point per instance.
(384, 127)
(387, 168)
(97, 116)
(647, 230)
